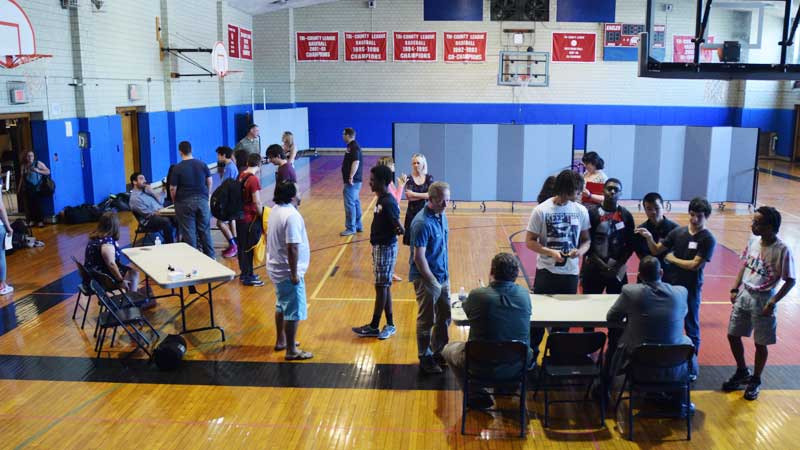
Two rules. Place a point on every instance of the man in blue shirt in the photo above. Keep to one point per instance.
(498, 312)
(429, 273)
(146, 204)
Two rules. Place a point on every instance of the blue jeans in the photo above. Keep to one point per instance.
(194, 220)
(2, 253)
(352, 207)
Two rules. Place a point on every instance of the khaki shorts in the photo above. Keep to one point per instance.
(746, 317)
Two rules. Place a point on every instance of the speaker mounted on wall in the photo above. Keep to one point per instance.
(520, 10)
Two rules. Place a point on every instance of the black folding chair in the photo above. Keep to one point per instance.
(114, 317)
(568, 362)
(142, 229)
(479, 356)
(121, 297)
(84, 290)
(657, 368)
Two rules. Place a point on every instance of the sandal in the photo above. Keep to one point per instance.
(301, 355)
(280, 348)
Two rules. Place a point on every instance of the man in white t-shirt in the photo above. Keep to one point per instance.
(558, 231)
(767, 261)
(287, 261)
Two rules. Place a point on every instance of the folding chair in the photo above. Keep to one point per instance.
(658, 368)
(120, 297)
(84, 290)
(140, 228)
(487, 354)
(568, 360)
(114, 316)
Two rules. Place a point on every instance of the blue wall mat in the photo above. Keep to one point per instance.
(373, 121)
(586, 11)
(202, 127)
(154, 144)
(620, 54)
(780, 121)
(49, 138)
(106, 164)
(471, 10)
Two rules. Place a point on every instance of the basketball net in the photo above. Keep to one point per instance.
(716, 92)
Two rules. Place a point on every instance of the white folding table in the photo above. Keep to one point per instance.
(558, 311)
(159, 261)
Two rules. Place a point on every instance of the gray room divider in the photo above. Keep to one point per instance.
(486, 162)
(680, 163)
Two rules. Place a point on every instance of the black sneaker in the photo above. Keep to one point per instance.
(251, 281)
(739, 378)
(428, 366)
(752, 389)
(366, 331)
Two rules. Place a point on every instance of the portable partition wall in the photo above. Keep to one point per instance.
(486, 162)
(680, 163)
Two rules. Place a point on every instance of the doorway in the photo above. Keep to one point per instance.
(130, 140)
(15, 141)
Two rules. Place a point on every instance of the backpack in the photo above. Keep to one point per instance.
(226, 201)
(81, 214)
(169, 352)
(21, 232)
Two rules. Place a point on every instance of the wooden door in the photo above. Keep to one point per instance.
(130, 140)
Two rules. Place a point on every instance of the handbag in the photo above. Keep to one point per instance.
(47, 186)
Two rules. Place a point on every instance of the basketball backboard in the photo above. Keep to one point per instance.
(17, 38)
(527, 69)
(736, 39)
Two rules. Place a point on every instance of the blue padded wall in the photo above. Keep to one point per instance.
(586, 10)
(461, 10)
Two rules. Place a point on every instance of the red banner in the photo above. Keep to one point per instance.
(365, 46)
(233, 41)
(574, 47)
(318, 46)
(245, 43)
(683, 49)
(415, 46)
(464, 47)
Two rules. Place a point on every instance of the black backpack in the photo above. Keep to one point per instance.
(81, 214)
(21, 232)
(226, 201)
(169, 352)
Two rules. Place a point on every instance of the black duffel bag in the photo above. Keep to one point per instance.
(169, 353)
(81, 214)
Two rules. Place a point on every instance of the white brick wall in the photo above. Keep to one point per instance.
(599, 83)
(118, 47)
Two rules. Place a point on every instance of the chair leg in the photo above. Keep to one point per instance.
(113, 336)
(546, 409)
(77, 303)
(86, 311)
(135, 238)
(688, 416)
(464, 404)
(97, 322)
(621, 391)
(523, 407)
(602, 403)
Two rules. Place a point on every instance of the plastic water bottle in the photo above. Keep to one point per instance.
(158, 240)
(462, 294)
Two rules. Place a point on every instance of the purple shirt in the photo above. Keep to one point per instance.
(285, 173)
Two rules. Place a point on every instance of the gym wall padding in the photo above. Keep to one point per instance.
(680, 163)
(486, 162)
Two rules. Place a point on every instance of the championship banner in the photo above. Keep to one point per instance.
(245, 43)
(417, 46)
(365, 46)
(464, 47)
(574, 47)
(318, 46)
(683, 49)
(233, 41)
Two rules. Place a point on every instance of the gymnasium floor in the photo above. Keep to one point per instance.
(355, 393)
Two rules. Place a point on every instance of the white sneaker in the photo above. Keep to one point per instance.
(7, 290)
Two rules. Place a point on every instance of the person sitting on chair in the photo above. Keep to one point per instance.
(654, 311)
(146, 203)
(498, 312)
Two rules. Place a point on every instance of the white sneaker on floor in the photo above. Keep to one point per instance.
(7, 290)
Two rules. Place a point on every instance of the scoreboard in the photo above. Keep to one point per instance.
(621, 40)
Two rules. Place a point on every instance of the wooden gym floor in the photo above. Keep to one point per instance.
(355, 393)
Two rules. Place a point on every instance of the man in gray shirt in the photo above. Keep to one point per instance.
(251, 142)
(145, 203)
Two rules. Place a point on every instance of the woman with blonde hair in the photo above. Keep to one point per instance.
(288, 146)
(416, 189)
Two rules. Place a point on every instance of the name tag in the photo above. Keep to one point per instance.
(574, 221)
(693, 245)
(620, 225)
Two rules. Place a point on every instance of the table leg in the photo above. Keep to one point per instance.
(209, 298)
(183, 311)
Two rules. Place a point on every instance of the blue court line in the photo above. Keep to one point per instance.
(779, 174)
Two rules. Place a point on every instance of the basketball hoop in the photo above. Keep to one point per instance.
(219, 59)
(17, 38)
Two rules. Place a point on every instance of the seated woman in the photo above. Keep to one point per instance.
(103, 255)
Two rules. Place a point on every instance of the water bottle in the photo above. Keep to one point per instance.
(462, 294)
(158, 240)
